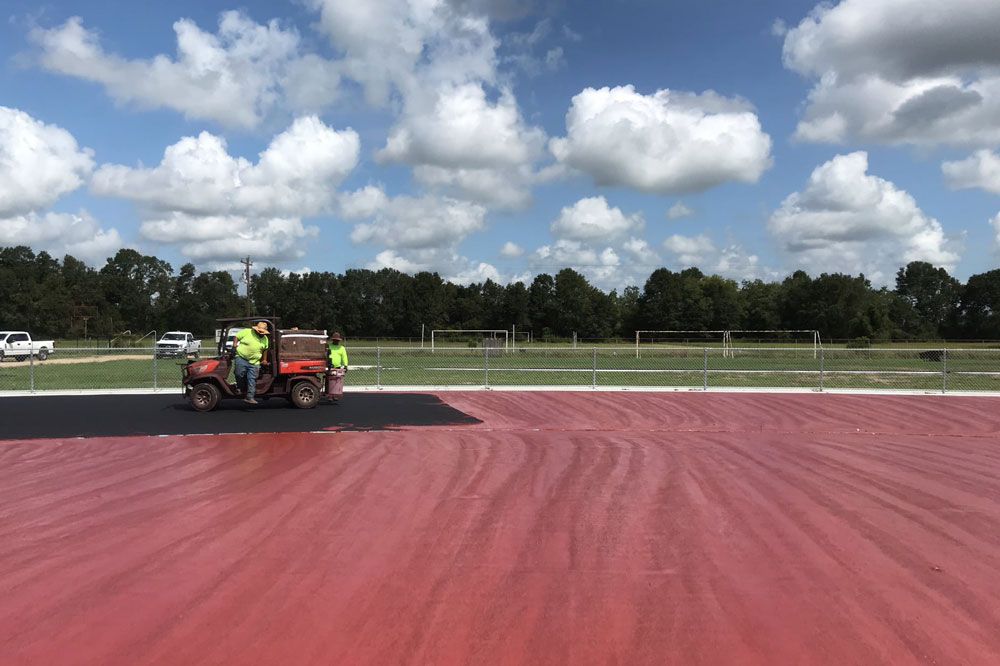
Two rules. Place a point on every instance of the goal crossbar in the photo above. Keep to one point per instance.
(494, 331)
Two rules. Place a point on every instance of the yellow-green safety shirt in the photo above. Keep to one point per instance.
(338, 355)
(250, 345)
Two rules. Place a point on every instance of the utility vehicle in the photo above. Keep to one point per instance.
(296, 361)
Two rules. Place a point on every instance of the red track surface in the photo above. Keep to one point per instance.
(568, 528)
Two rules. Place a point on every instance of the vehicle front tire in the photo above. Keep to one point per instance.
(43, 354)
(305, 395)
(204, 397)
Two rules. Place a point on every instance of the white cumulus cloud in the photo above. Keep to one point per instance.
(215, 206)
(641, 252)
(79, 235)
(217, 240)
(679, 210)
(429, 222)
(449, 264)
(510, 250)
(38, 163)
(982, 169)
(234, 77)
(295, 176)
(690, 250)
(732, 261)
(847, 220)
(458, 140)
(592, 219)
(918, 72)
(666, 143)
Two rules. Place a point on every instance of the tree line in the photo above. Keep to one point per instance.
(139, 293)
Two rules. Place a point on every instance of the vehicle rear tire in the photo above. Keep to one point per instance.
(305, 395)
(204, 397)
(43, 354)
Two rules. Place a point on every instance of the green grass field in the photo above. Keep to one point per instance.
(966, 368)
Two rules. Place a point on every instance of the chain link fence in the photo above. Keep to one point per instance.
(580, 367)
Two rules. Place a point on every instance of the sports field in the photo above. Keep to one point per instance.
(503, 528)
(911, 369)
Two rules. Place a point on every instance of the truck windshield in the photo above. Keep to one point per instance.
(172, 336)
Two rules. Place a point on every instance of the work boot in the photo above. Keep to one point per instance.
(250, 401)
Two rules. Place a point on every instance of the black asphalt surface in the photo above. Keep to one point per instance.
(32, 417)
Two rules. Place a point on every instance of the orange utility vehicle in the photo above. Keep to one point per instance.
(296, 359)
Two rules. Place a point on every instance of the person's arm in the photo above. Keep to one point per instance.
(343, 357)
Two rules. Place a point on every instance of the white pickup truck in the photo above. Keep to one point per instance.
(19, 346)
(177, 344)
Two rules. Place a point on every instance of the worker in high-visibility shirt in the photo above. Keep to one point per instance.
(250, 347)
(336, 368)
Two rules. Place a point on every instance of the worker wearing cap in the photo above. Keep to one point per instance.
(251, 350)
(336, 368)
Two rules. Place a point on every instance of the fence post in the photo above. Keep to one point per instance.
(593, 379)
(31, 371)
(154, 367)
(378, 367)
(486, 359)
(944, 370)
(821, 359)
(704, 369)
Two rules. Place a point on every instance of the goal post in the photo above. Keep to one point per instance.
(494, 332)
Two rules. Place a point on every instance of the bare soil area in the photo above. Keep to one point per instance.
(81, 359)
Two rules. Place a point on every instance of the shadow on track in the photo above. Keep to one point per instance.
(122, 415)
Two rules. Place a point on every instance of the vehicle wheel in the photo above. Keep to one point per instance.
(305, 395)
(1, 357)
(43, 354)
(197, 354)
(204, 397)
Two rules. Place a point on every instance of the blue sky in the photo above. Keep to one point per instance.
(504, 138)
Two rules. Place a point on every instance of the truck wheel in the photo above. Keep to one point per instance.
(1, 357)
(43, 354)
(305, 395)
(204, 397)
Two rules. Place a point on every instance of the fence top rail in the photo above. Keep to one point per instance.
(661, 348)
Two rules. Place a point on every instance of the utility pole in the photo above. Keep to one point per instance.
(246, 277)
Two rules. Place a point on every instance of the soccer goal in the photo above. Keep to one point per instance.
(736, 338)
(675, 338)
(725, 339)
(466, 335)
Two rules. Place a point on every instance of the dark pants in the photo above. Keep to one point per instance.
(245, 373)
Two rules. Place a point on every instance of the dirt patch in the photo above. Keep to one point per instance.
(84, 359)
